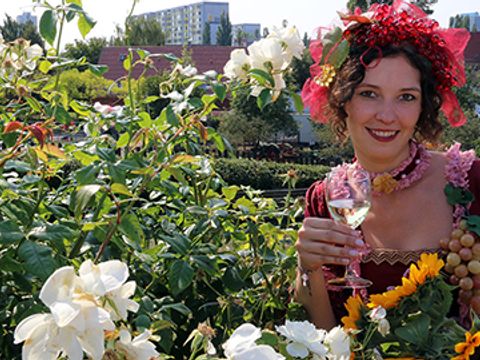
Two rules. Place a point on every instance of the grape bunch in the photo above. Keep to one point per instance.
(463, 264)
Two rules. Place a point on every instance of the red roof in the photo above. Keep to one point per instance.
(205, 57)
(472, 52)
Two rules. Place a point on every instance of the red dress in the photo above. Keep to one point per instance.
(383, 267)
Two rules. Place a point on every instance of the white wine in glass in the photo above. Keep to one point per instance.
(348, 195)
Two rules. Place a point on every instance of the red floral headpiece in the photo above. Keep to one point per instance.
(399, 23)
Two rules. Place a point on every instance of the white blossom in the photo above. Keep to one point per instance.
(107, 109)
(243, 338)
(291, 41)
(267, 53)
(338, 344)
(384, 327)
(378, 313)
(137, 349)
(121, 299)
(238, 65)
(258, 352)
(104, 277)
(303, 337)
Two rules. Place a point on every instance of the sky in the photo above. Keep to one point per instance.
(306, 15)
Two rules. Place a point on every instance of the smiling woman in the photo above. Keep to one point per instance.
(381, 83)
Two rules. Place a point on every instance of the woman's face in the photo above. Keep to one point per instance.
(383, 112)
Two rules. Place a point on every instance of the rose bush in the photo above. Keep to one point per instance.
(134, 190)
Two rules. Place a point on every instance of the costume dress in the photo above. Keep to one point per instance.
(385, 267)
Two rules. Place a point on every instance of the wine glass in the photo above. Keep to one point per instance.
(348, 196)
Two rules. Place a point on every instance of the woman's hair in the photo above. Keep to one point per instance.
(352, 72)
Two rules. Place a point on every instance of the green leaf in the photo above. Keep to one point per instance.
(10, 233)
(180, 244)
(120, 189)
(123, 140)
(170, 57)
(297, 101)
(85, 24)
(180, 276)
(264, 98)
(220, 90)
(473, 222)
(106, 154)
(44, 66)
(76, 2)
(83, 197)
(415, 330)
(87, 174)
(179, 307)
(127, 63)
(339, 55)
(131, 228)
(85, 158)
(18, 166)
(55, 232)
(143, 53)
(458, 195)
(34, 104)
(98, 70)
(206, 263)
(171, 117)
(37, 259)
(146, 121)
(262, 77)
(48, 26)
(79, 109)
(230, 192)
(330, 39)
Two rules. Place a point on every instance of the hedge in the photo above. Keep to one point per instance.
(265, 175)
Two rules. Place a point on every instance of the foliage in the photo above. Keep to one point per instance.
(140, 31)
(12, 30)
(198, 249)
(224, 31)
(276, 115)
(90, 48)
(300, 70)
(240, 129)
(206, 35)
(266, 174)
(459, 21)
(84, 85)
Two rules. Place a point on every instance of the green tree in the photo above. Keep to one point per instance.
(240, 129)
(206, 37)
(277, 115)
(224, 31)
(90, 48)
(11, 30)
(300, 68)
(139, 31)
(460, 21)
(240, 37)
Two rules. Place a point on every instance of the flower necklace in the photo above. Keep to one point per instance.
(403, 176)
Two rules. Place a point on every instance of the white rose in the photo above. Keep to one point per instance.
(243, 338)
(384, 327)
(104, 277)
(338, 344)
(238, 65)
(258, 352)
(139, 348)
(303, 337)
(291, 41)
(265, 51)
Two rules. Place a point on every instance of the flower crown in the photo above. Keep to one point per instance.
(383, 24)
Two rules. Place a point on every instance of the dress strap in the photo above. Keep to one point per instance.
(458, 165)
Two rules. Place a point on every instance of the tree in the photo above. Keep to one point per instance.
(277, 115)
(90, 48)
(139, 31)
(224, 31)
(11, 30)
(206, 37)
(240, 37)
(460, 21)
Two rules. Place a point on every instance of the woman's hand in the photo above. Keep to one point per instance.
(322, 241)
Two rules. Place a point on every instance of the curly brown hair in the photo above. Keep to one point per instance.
(352, 72)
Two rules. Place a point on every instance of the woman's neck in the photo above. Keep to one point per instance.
(384, 165)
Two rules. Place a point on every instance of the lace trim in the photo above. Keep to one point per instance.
(394, 256)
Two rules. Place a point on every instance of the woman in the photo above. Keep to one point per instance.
(382, 83)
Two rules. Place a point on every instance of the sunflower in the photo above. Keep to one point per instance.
(353, 306)
(467, 348)
(428, 266)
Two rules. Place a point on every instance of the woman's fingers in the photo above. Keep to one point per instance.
(313, 262)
